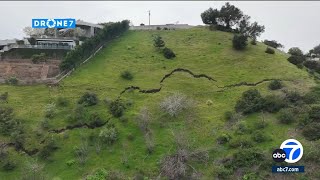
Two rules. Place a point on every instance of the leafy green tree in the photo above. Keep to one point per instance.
(109, 135)
(229, 15)
(273, 44)
(158, 42)
(210, 16)
(295, 51)
(316, 49)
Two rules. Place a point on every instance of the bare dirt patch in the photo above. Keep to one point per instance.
(27, 72)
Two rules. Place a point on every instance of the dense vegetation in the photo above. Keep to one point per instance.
(193, 127)
(83, 51)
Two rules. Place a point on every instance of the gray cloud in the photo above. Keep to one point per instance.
(291, 23)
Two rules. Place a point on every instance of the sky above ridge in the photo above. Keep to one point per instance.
(293, 24)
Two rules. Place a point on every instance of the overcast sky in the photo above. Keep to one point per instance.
(290, 23)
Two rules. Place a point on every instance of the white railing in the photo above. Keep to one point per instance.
(16, 46)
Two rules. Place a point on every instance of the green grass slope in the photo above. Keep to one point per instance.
(198, 50)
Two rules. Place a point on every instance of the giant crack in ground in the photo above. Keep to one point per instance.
(223, 88)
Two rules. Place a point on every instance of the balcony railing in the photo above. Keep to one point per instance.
(41, 46)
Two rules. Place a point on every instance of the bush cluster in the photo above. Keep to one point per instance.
(48, 149)
(286, 116)
(109, 134)
(296, 60)
(251, 101)
(224, 138)
(12, 80)
(158, 41)
(88, 99)
(273, 103)
(275, 84)
(116, 108)
(83, 51)
(311, 131)
(50, 110)
(239, 42)
(62, 101)
(127, 75)
(168, 53)
(175, 104)
(37, 58)
(269, 51)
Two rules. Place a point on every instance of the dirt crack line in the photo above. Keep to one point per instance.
(187, 71)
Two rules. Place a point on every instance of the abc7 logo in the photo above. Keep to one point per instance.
(279, 155)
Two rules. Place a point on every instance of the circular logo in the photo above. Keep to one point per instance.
(279, 155)
(51, 23)
(293, 150)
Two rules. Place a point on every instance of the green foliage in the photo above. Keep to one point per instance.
(48, 149)
(70, 162)
(9, 165)
(109, 135)
(293, 97)
(37, 58)
(314, 113)
(45, 123)
(96, 120)
(88, 99)
(223, 172)
(273, 44)
(7, 122)
(158, 42)
(62, 101)
(246, 158)
(116, 108)
(232, 116)
(259, 137)
(296, 60)
(4, 97)
(239, 42)
(100, 174)
(83, 51)
(127, 75)
(228, 16)
(275, 84)
(242, 128)
(223, 138)
(50, 110)
(295, 51)
(286, 116)
(168, 53)
(12, 80)
(79, 113)
(311, 97)
(260, 124)
(312, 65)
(269, 51)
(311, 131)
(273, 103)
(251, 101)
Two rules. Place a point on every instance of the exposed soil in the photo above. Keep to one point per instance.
(27, 72)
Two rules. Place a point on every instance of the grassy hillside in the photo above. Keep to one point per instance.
(199, 50)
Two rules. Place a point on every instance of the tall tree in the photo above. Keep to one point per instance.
(210, 16)
(295, 51)
(229, 15)
(316, 49)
